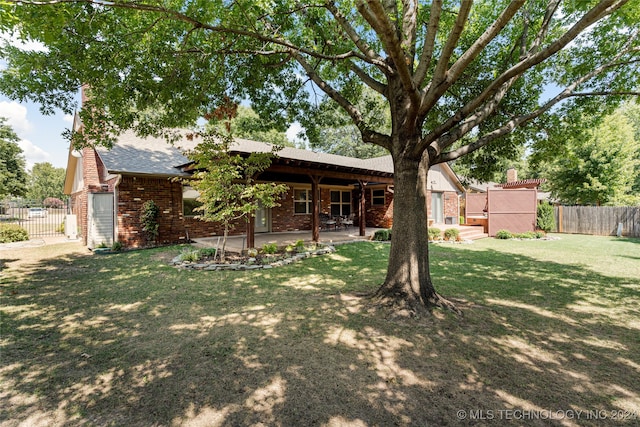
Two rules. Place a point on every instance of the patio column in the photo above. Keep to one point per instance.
(251, 235)
(362, 217)
(315, 218)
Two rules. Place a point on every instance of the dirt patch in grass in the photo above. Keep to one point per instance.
(126, 339)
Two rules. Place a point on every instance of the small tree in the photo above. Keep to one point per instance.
(546, 217)
(149, 220)
(226, 181)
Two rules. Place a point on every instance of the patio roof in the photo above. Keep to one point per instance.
(132, 154)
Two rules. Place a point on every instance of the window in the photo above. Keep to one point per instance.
(189, 201)
(340, 203)
(377, 197)
(301, 201)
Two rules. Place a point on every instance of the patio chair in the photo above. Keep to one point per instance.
(347, 221)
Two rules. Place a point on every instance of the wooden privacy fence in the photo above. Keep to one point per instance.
(598, 220)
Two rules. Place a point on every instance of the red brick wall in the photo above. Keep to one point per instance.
(173, 227)
(379, 215)
(132, 192)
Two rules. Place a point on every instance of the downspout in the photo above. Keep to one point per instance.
(115, 208)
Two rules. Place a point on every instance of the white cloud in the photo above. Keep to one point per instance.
(292, 132)
(68, 118)
(28, 45)
(16, 115)
(32, 153)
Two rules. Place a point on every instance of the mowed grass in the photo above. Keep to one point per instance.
(550, 336)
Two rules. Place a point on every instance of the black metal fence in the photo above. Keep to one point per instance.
(38, 217)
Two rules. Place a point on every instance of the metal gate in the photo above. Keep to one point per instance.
(38, 217)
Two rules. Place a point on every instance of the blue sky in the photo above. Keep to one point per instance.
(40, 136)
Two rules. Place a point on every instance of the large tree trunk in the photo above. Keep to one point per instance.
(408, 284)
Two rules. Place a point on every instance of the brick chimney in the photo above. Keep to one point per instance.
(84, 96)
(512, 175)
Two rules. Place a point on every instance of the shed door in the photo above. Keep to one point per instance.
(100, 219)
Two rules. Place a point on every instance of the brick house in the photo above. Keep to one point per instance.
(109, 186)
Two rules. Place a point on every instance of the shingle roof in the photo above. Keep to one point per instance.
(155, 156)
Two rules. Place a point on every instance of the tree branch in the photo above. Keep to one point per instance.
(429, 43)
(456, 70)
(409, 29)
(440, 72)
(518, 69)
(544, 28)
(179, 16)
(355, 114)
(367, 79)
(448, 139)
(352, 34)
(375, 14)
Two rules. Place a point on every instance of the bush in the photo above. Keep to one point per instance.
(504, 234)
(12, 233)
(189, 255)
(207, 252)
(269, 248)
(434, 233)
(539, 234)
(299, 246)
(149, 219)
(546, 218)
(116, 247)
(451, 234)
(526, 235)
(382, 235)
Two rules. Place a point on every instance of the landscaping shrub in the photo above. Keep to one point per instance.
(116, 247)
(269, 248)
(539, 234)
(546, 218)
(434, 233)
(208, 252)
(190, 255)
(451, 234)
(526, 235)
(299, 246)
(504, 234)
(12, 233)
(149, 220)
(382, 235)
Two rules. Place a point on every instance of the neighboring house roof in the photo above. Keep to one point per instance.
(524, 183)
(474, 185)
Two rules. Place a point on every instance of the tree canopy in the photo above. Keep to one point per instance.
(46, 181)
(457, 76)
(595, 165)
(13, 177)
(248, 124)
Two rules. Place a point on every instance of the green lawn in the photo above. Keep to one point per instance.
(551, 329)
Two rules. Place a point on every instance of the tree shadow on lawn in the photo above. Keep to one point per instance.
(127, 340)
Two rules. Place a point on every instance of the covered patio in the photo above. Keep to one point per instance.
(352, 234)
(239, 243)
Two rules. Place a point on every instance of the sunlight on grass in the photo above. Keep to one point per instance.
(534, 309)
(126, 339)
(312, 282)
